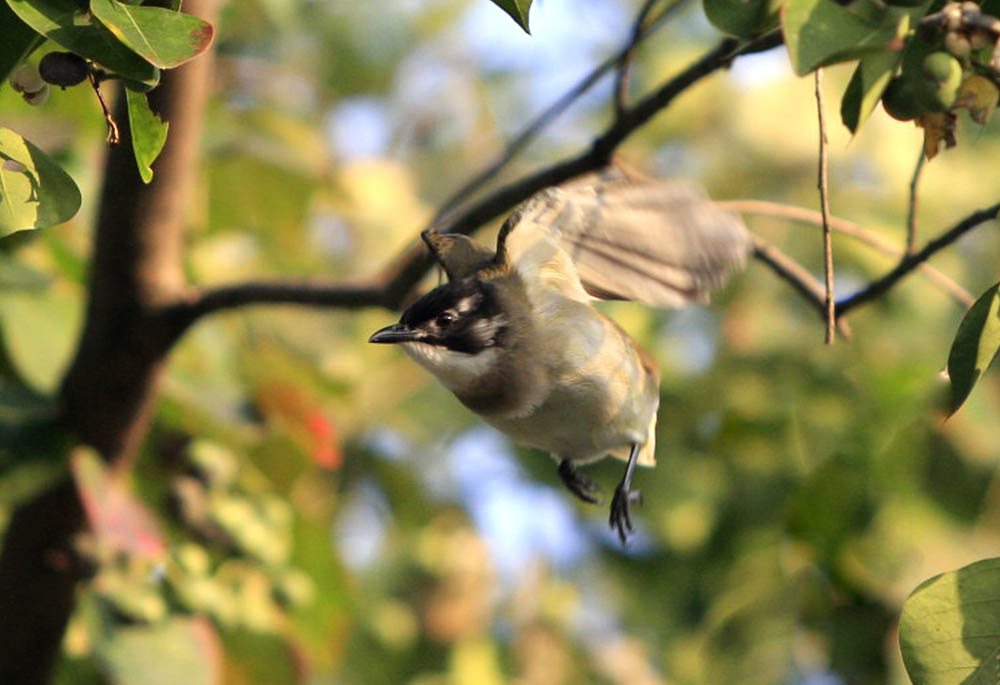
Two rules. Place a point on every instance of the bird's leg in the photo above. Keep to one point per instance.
(578, 484)
(620, 519)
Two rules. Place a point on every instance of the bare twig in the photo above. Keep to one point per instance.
(824, 201)
(642, 30)
(911, 210)
(806, 285)
(114, 137)
(795, 275)
(852, 230)
(720, 56)
(625, 63)
(803, 282)
(879, 286)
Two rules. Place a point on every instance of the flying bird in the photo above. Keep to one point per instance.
(514, 334)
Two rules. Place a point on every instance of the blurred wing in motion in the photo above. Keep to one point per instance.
(660, 242)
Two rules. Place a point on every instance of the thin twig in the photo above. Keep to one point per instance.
(879, 286)
(721, 56)
(795, 275)
(911, 210)
(848, 228)
(642, 31)
(114, 136)
(625, 63)
(824, 201)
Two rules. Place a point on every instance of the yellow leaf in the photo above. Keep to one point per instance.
(979, 95)
(938, 127)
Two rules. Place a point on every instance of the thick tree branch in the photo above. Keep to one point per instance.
(107, 394)
(394, 285)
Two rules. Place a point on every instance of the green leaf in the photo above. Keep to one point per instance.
(164, 37)
(19, 41)
(65, 23)
(518, 11)
(30, 437)
(821, 32)
(179, 650)
(949, 631)
(15, 275)
(975, 345)
(743, 19)
(866, 86)
(148, 132)
(34, 191)
(39, 332)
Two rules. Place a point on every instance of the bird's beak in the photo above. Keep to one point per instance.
(396, 333)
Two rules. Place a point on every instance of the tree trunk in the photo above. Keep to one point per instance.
(108, 394)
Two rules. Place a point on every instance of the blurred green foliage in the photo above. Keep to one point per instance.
(328, 514)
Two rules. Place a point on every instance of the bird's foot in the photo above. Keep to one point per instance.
(578, 484)
(620, 519)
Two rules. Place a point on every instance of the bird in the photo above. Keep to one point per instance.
(515, 336)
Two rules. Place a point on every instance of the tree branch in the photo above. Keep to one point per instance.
(911, 209)
(624, 61)
(392, 287)
(824, 202)
(641, 31)
(803, 282)
(107, 396)
(852, 230)
(910, 262)
(797, 276)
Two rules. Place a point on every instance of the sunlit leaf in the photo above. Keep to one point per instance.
(30, 436)
(821, 32)
(39, 331)
(949, 631)
(939, 127)
(517, 9)
(866, 86)
(180, 650)
(19, 41)
(743, 19)
(164, 37)
(979, 95)
(14, 274)
(66, 23)
(148, 131)
(975, 345)
(34, 191)
(475, 660)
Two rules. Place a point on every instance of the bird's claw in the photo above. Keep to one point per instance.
(620, 520)
(578, 484)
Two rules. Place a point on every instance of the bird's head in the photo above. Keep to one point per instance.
(456, 331)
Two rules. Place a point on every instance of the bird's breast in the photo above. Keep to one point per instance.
(601, 391)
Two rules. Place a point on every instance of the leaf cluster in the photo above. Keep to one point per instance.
(105, 39)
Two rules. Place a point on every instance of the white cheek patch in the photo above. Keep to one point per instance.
(456, 370)
(467, 304)
(485, 330)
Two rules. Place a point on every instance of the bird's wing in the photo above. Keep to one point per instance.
(660, 242)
